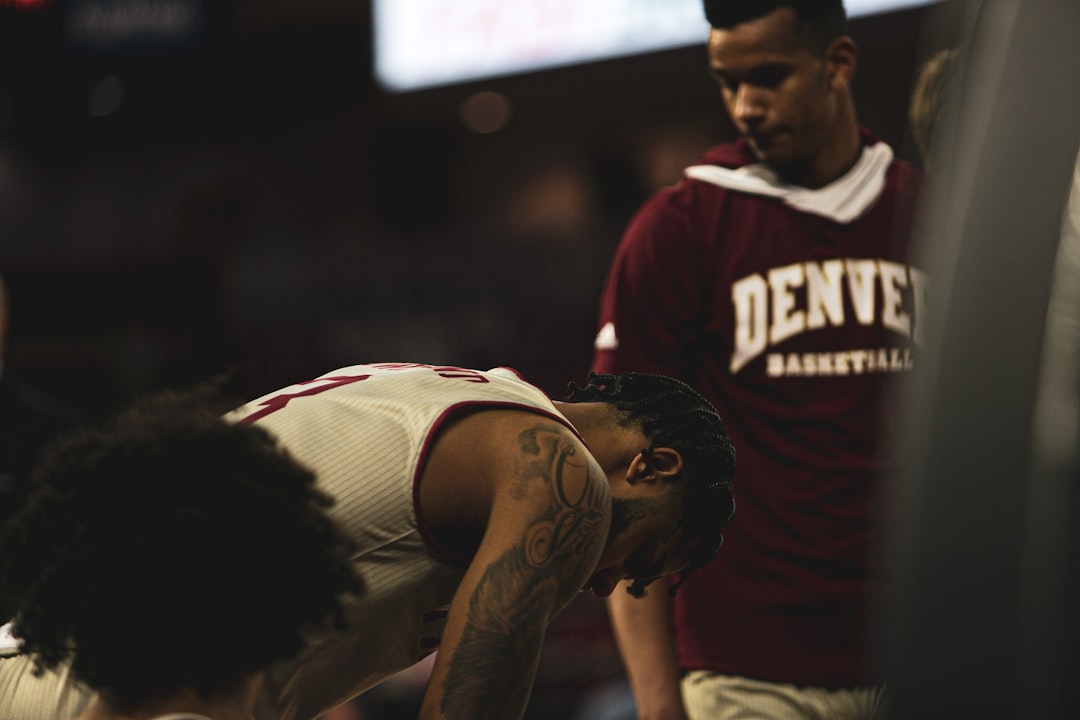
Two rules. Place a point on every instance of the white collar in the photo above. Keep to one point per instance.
(9, 644)
(843, 200)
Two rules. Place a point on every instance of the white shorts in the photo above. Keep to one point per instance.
(711, 696)
(53, 696)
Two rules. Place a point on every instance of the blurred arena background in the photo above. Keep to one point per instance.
(218, 184)
(189, 187)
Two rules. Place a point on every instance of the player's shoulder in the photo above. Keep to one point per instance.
(524, 460)
(689, 194)
(903, 181)
(547, 468)
(725, 156)
(686, 195)
(729, 155)
(500, 434)
(519, 430)
(899, 173)
(904, 176)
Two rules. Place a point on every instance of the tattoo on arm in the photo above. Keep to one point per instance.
(491, 671)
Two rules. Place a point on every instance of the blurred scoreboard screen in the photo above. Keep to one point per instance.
(425, 43)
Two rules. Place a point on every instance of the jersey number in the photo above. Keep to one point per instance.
(277, 402)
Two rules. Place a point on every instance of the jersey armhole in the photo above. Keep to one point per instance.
(448, 415)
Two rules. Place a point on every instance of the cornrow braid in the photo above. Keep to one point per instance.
(672, 414)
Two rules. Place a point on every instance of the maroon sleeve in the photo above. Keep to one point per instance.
(651, 308)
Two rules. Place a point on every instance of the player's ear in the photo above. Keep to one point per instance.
(658, 465)
(841, 58)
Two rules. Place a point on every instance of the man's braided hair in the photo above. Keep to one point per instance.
(672, 414)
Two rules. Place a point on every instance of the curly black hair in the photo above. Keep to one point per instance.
(167, 549)
(672, 414)
(819, 22)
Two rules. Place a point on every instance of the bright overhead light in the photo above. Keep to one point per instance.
(426, 43)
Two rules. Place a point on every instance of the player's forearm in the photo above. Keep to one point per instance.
(646, 642)
(491, 645)
(488, 680)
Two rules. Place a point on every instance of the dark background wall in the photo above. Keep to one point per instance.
(253, 201)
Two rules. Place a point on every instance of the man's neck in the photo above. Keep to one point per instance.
(834, 160)
(609, 442)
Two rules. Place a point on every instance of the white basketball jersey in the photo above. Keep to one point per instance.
(366, 431)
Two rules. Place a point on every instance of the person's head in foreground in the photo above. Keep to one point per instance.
(785, 69)
(928, 99)
(168, 580)
(676, 525)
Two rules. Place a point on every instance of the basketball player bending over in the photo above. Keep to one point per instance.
(478, 508)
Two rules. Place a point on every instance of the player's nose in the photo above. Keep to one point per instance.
(749, 107)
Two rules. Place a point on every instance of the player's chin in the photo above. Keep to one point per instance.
(773, 156)
(774, 150)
